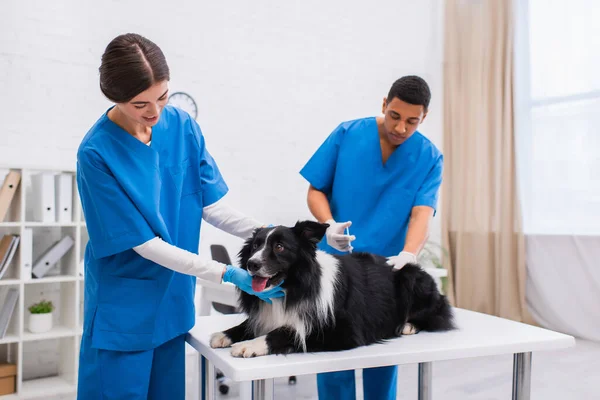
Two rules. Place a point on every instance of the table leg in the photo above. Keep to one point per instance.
(207, 377)
(521, 387)
(246, 390)
(201, 374)
(425, 378)
(263, 389)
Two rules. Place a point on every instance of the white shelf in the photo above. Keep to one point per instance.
(8, 338)
(49, 224)
(52, 279)
(33, 224)
(10, 224)
(64, 289)
(56, 333)
(45, 387)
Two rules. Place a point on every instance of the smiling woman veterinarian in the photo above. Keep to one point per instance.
(146, 181)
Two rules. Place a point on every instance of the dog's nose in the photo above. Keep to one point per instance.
(253, 265)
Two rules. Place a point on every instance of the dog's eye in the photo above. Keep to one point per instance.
(255, 246)
(279, 248)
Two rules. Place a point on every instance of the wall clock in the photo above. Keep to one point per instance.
(185, 102)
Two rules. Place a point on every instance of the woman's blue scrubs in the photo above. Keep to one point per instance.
(136, 312)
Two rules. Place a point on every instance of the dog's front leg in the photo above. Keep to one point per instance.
(279, 341)
(232, 335)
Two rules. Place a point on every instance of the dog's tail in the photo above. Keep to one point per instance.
(441, 317)
(428, 309)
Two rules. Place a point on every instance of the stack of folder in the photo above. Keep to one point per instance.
(52, 197)
(50, 258)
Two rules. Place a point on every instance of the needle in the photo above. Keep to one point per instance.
(349, 245)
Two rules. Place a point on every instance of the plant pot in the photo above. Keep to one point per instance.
(40, 323)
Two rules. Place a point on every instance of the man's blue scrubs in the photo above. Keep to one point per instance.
(378, 198)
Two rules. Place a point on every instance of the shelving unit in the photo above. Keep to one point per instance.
(63, 285)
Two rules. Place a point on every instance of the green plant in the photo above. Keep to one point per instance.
(430, 255)
(41, 307)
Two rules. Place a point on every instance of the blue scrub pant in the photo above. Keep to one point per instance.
(157, 374)
(378, 384)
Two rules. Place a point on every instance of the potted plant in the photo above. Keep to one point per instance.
(40, 319)
(433, 254)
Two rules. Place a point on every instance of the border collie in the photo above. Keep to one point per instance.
(332, 302)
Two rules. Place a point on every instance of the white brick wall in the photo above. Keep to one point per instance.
(271, 80)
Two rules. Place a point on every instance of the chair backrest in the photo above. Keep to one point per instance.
(219, 253)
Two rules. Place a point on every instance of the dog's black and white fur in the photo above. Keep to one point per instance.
(332, 302)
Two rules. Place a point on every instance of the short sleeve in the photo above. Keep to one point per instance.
(428, 193)
(319, 171)
(113, 221)
(213, 184)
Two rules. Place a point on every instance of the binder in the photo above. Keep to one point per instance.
(7, 192)
(7, 310)
(52, 256)
(63, 191)
(14, 243)
(5, 246)
(43, 197)
(27, 253)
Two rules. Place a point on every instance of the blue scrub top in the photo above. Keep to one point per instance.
(131, 193)
(376, 197)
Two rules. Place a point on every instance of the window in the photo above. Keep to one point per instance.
(557, 115)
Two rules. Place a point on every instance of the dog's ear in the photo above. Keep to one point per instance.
(310, 230)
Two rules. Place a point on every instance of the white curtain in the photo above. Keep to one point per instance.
(481, 222)
(563, 283)
(557, 125)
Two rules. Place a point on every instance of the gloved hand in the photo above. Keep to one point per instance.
(242, 279)
(402, 259)
(336, 236)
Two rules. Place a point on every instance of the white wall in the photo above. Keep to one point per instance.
(271, 80)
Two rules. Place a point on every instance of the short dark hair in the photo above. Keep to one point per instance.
(131, 64)
(412, 90)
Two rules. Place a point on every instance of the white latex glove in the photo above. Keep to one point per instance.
(402, 259)
(336, 236)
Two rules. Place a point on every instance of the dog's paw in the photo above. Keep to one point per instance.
(250, 348)
(409, 329)
(219, 340)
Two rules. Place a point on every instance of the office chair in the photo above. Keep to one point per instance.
(219, 253)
